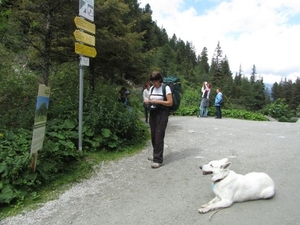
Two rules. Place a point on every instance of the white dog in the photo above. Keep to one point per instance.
(230, 187)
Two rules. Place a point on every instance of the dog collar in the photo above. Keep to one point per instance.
(213, 183)
(216, 181)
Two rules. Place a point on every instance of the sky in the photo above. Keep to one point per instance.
(264, 33)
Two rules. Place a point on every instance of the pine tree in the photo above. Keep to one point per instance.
(166, 60)
(204, 66)
(246, 94)
(118, 42)
(295, 100)
(216, 67)
(201, 69)
(236, 87)
(45, 27)
(253, 75)
(259, 98)
(287, 90)
(227, 78)
(275, 91)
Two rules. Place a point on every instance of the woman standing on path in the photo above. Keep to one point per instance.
(205, 99)
(159, 116)
(145, 97)
(218, 100)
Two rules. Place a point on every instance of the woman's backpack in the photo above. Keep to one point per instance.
(175, 86)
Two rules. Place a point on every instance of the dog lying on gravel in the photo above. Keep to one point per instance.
(230, 187)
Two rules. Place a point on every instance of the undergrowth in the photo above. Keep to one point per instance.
(76, 173)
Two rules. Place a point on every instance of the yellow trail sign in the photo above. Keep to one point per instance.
(85, 25)
(85, 50)
(84, 37)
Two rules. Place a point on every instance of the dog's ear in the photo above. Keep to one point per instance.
(225, 160)
(226, 165)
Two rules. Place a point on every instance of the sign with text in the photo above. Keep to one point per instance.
(40, 118)
(85, 50)
(86, 9)
(84, 61)
(84, 37)
(85, 25)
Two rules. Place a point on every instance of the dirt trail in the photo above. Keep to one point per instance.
(129, 192)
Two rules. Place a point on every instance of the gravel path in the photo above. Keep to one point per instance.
(129, 192)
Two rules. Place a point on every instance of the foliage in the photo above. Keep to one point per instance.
(17, 178)
(279, 110)
(289, 91)
(17, 98)
(191, 102)
(298, 111)
(106, 123)
(243, 114)
(109, 125)
(43, 28)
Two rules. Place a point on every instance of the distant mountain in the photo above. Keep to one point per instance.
(268, 88)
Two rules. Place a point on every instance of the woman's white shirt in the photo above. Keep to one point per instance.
(146, 93)
(157, 93)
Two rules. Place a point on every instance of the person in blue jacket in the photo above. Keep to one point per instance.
(124, 98)
(218, 101)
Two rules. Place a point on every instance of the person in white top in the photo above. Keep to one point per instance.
(205, 99)
(159, 116)
(145, 97)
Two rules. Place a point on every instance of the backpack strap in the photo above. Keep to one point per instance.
(151, 89)
(164, 91)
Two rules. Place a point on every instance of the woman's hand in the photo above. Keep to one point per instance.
(147, 101)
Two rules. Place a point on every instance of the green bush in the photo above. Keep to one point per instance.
(279, 110)
(190, 102)
(18, 179)
(109, 125)
(18, 93)
(243, 114)
(106, 125)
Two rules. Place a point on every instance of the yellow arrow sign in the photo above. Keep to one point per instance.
(84, 37)
(85, 50)
(85, 25)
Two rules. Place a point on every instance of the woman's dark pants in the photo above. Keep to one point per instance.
(219, 112)
(158, 123)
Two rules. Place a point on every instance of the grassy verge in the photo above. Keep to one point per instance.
(82, 171)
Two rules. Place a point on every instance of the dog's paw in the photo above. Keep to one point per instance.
(203, 206)
(203, 210)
